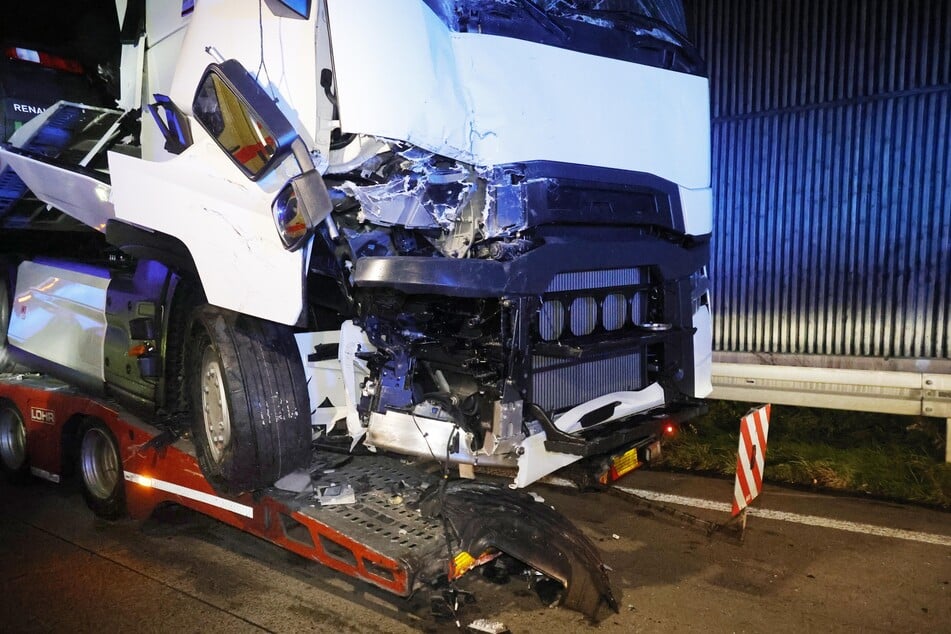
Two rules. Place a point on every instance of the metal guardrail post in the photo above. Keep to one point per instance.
(947, 441)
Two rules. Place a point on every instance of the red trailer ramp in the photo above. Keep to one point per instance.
(371, 517)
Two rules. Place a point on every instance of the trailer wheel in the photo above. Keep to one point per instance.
(249, 401)
(100, 471)
(13, 457)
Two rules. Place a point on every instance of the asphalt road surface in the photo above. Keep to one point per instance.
(811, 563)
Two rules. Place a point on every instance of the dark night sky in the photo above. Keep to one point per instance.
(86, 30)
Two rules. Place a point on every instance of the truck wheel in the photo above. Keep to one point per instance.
(100, 471)
(13, 458)
(249, 401)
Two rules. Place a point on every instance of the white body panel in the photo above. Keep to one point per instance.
(703, 353)
(288, 72)
(59, 314)
(324, 380)
(698, 210)
(224, 219)
(491, 100)
(626, 403)
(200, 197)
(131, 75)
(82, 197)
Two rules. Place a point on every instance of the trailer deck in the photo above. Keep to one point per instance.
(377, 518)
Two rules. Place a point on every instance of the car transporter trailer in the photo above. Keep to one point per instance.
(372, 517)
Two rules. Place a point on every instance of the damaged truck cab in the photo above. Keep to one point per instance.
(471, 230)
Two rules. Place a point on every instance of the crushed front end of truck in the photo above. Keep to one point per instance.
(495, 236)
(472, 231)
(567, 332)
(530, 312)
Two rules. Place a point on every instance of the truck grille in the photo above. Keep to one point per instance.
(587, 302)
(579, 305)
(558, 385)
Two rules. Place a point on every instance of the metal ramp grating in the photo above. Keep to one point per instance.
(384, 517)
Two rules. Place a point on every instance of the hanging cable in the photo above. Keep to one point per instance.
(262, 65)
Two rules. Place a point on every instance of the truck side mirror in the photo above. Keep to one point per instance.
(242, 119)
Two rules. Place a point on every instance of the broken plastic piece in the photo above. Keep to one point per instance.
(296, 482)
(336, 494)
(487, 626)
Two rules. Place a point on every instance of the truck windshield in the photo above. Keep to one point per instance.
(648, 32)
(668, 12)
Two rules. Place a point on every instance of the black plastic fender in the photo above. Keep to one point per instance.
(485, 517)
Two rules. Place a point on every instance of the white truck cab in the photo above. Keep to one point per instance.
(472, 230)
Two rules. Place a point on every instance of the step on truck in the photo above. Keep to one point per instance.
(475, 231)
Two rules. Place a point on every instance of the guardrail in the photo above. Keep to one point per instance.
(892, 391)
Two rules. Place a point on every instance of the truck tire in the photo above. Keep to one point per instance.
(13, 455)
(100, 471)
(249, 400)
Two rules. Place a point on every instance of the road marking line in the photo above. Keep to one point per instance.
(809, 520)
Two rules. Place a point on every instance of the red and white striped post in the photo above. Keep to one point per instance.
(750, 458)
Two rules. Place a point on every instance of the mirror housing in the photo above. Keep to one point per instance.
(301, 205)
(289, 8)
(242, 118)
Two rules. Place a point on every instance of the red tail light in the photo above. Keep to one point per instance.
(45, 59)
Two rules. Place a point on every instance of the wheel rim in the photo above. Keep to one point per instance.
(100, 463)
(12, 439)
(214, 404)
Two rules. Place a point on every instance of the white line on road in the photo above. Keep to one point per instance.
(809, 520)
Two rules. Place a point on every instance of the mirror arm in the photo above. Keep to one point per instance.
(306, 163)
(301, 155)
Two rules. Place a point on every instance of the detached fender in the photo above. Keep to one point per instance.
(485, 517)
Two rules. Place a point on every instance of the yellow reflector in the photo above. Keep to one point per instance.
(461, 563)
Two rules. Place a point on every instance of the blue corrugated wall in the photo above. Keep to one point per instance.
(831, 175)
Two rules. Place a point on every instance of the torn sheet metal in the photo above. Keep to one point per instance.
(415, 189)
(485, 519)
(414, 435)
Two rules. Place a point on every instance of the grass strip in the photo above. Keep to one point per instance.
(894, 457)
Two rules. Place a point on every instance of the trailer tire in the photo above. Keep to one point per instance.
(249, 400)
(13, 454)
(100, 471)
